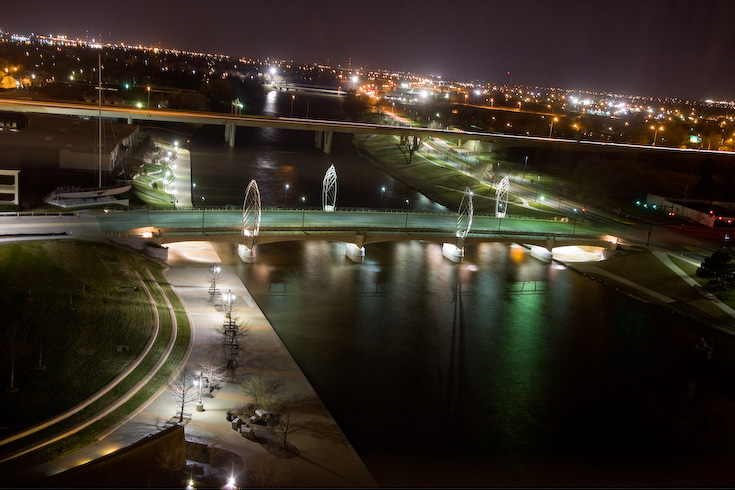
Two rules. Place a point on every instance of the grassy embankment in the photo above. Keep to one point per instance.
(443, 183)
(83, 311)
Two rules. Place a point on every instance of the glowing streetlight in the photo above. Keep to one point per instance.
(148, 106)
(655, 132)
(303, 211)
(406, 213)
(285, 190)
(382, 191)
(552, 125)
(293, 97)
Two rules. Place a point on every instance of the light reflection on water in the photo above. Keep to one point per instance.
(504, 361)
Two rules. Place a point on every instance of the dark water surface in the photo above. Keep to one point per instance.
(501, 371)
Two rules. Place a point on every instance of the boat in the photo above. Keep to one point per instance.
(78, 197)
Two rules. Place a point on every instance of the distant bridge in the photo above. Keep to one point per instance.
(324, 129)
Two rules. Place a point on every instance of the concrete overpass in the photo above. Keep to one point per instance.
(323, 129)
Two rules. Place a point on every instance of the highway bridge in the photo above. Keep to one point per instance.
(323, 129)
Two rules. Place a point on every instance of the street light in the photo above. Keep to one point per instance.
(552, 125)
(655, 132)
(285, 189)
(382, 191)
(303, 211)
(406, 213)
(229, 299)
(198, 384)
(293, 97)
(148, 106)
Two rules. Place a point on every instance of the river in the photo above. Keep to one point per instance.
(501, 371)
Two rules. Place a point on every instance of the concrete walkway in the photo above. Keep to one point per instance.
(326, 457)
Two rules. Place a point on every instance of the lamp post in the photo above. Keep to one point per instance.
(303, 211)
(307, 108)
(229, 299)
(285, 190)
(551, 128)
(293, 97)
(407, 214)
(382, 191)
(655, 133)
(198, 384)
(148, 105)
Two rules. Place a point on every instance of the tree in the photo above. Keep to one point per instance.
(718, 267)
(264, 391)
(183, 390)
(285, 426)
(214, 371)
(411, 143)
(214, 275)
(14, 345)
(354, 106)
(233, 331)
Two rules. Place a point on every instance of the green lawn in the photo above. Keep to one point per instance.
(68, 299)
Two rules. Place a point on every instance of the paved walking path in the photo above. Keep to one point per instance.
(326, 457)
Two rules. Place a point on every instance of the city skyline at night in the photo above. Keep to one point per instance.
(652, 49)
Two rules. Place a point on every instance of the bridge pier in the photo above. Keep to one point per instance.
(246, 253)
(230, 133)
(323, 140)
(130, 119)
(355, 252)
(453, 252)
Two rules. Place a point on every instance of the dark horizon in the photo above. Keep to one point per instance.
(673, 49)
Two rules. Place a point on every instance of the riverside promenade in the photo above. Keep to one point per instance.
(325, 459)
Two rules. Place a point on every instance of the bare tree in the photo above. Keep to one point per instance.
(14, 344)
(214, 275)
(269, 473)
(285, 425)
(411, 143)
(214, 371)
(183, 390)
(172, 457)
(233, 332)
(264, 390)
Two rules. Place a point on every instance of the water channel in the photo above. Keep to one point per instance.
(501, 371)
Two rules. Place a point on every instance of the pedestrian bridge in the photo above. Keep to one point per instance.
(359, 228)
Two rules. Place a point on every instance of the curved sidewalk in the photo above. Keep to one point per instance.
(326, 457)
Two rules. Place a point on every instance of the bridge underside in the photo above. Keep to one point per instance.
(366, 237)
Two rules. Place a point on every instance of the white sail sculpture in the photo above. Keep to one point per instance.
(455, 251)
(501, 198)
(329, 190)
(251, 211)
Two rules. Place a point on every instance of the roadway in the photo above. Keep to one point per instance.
(303, 124)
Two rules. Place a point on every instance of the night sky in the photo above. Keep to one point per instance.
(645, 47)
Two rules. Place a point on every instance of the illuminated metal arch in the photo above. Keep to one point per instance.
(329, 190)
(251, 214)
(464, 217)
(501, 198)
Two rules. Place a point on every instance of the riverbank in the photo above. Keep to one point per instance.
(638, 273)
(661, 278)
